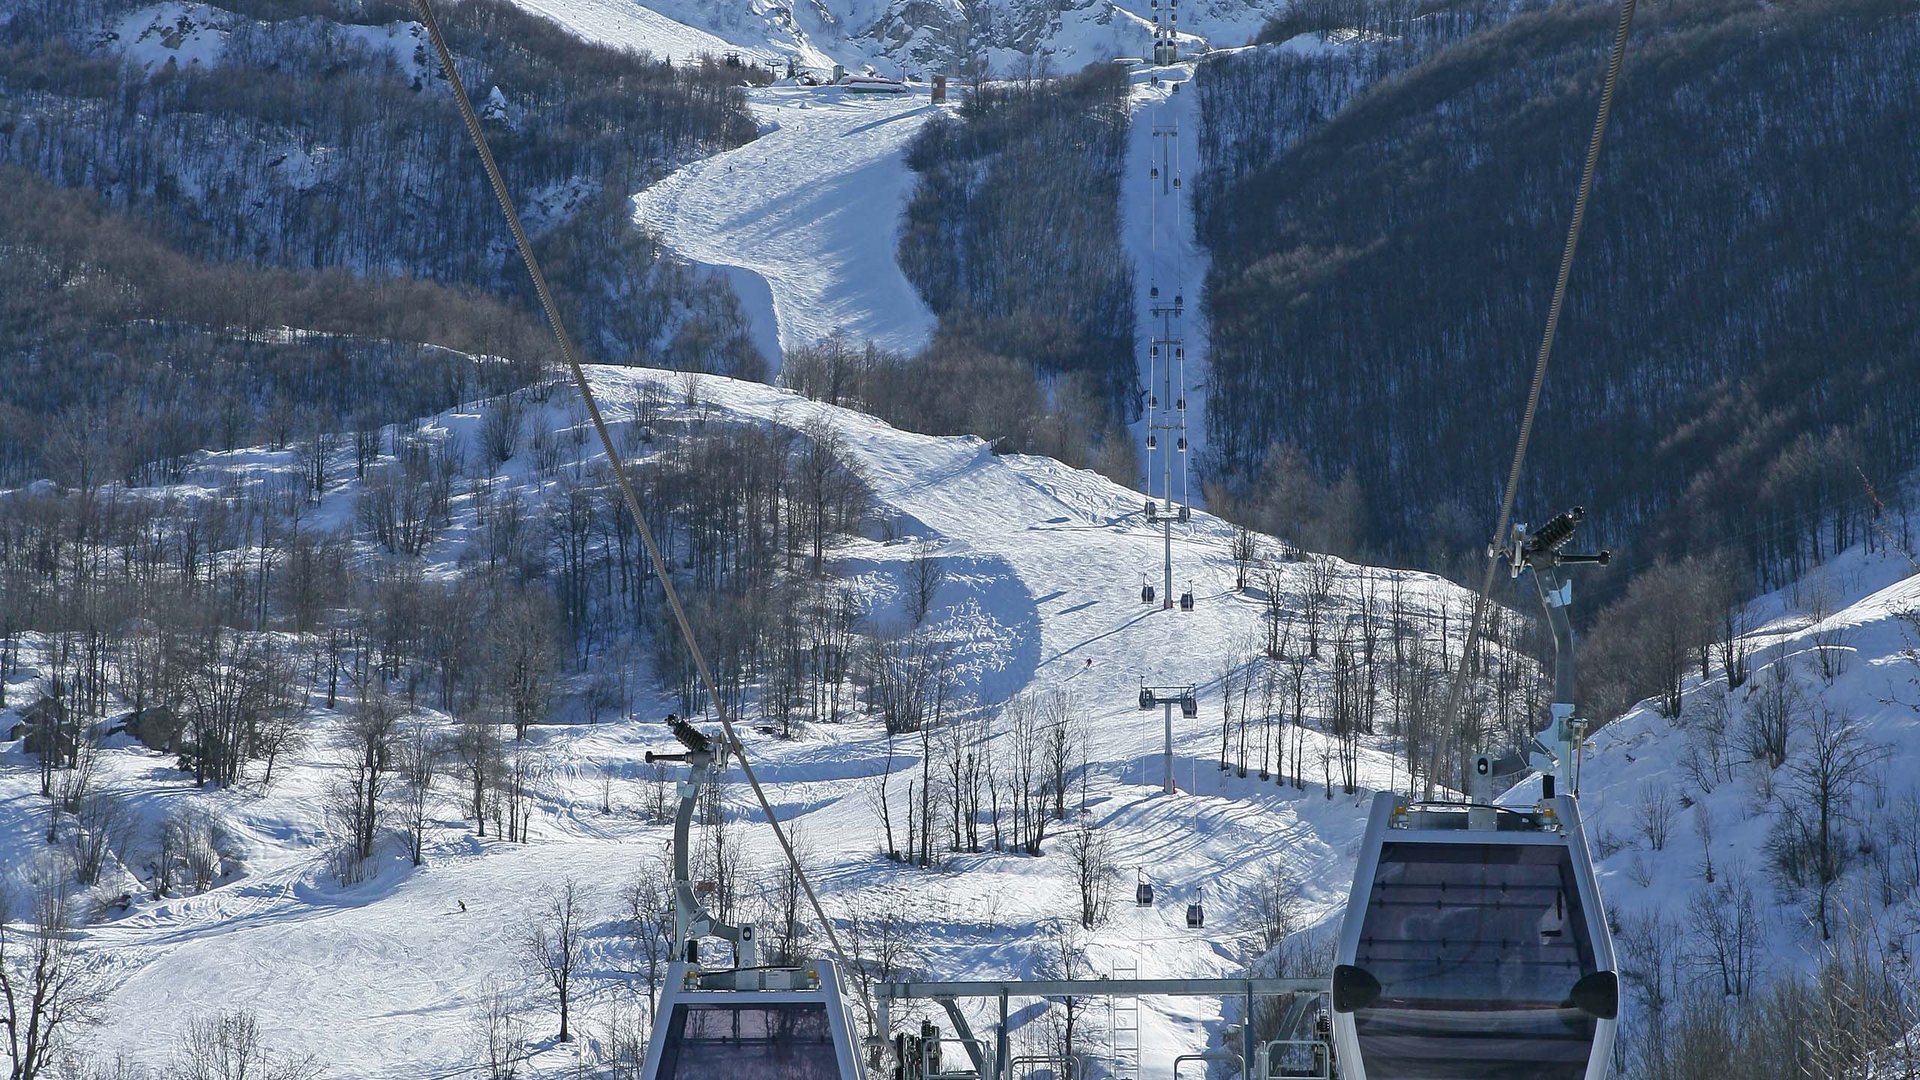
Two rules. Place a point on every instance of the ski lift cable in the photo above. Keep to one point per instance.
(661, 569)
(1615, 59)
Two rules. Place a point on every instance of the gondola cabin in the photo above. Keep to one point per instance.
(754, 1024)
(746, 1021)
(1474, 947)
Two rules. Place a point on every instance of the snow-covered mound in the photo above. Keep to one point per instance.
(1043, 565)
(804, 220)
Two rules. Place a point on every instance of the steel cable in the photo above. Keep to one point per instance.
(1456, 692)
(660, 567)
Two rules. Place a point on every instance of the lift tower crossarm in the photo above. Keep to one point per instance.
(1220, 988)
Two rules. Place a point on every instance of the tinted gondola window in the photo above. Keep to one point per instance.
(757, 1042)
(1476, 948)
(1475, 925)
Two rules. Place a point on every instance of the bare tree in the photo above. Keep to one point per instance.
(479, 762)
(1245, 549)
(1831, 637)
(1066, 958)
(924, 577)
(102, 825)
(648, 928)
(523, 647)
(1836, 764)
(1650, 962)
(500, 430)
(1703, 826)
(1027, 778)
(1062, 720)
(524, 766)
(358, 798)
(623, 1041)
(501, 1032)
(1655, 813)
(553, 943)
(880, 948)
(281, 726)
(1725, 934)
(48, 986)
(228, 1046)
(190, 845)
(1316, 598)
(783, 897)
(1774, 708)
(1280, 909)
(1735, 625)
(1090, 855)
(883, 804)
(419, 758)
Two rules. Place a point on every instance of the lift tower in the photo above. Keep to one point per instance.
(1166, 376)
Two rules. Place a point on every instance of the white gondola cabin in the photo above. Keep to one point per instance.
(1475, 947)
(754, 1024)
(745, 1021)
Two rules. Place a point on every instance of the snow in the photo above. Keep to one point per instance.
(904, 35)
(406, 42)
(1163, 246)
(1045, 564)
(676, 30)
(804, 221)
(185, 34)
(1851, 607)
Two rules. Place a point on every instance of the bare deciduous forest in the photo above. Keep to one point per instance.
(317, 180)
(1398, 232)
(1012, 233)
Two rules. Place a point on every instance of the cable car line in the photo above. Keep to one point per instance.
(1615, 59)
(660, 566)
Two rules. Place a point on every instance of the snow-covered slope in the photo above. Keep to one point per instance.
(804, 220)
(186, 35)
(382, 979)
(678, 29)
(906, 36)
(1164, 249)
(1686, 819)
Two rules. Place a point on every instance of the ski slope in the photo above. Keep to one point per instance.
(644, 27)
(1041, 593)
(804, 221)
(1158, 232)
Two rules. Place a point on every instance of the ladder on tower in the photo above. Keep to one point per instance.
(1123, 1027)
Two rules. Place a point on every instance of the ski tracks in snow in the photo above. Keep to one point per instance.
(804, 221)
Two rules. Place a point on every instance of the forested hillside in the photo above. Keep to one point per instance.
(1012, 232)
(1734, 367)
(120, 356)
(243, 155)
